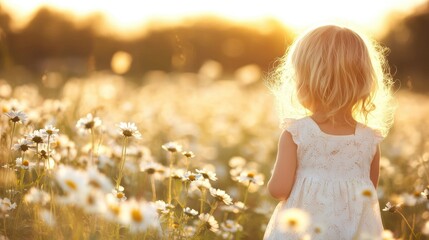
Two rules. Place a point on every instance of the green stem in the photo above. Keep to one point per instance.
(48, 149)
(38, 160)
(246, 193)
(214, 207)
(121, 167)
(169, 178)
(203, 194)
(152, 184)
(11, 141)
(92, 146)
(408, 224)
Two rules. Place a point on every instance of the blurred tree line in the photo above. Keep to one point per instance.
(51, 42)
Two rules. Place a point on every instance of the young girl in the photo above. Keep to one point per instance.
(333, 89)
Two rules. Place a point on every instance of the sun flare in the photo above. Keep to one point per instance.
(127, 15)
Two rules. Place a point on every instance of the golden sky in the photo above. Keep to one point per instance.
(129, 15)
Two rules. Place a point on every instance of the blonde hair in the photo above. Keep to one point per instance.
(334, 69)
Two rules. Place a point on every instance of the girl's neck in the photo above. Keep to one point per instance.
(342, 118)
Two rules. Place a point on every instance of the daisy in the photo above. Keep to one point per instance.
(231, 226)
(129, 130)
(88, 123)
(17, 116)
(50, 131)
(22, 145)
(252, 177)
(139, 216)
(190, 212)
(37, 196)
(163, 207)
(201, 184)
(294, 219)
(221, 196)
(150, 167)
(98, 180)
(36, 137)
(209, 221)
(190, 176)
(71, 180)
(119, 195)
(188, 154)
(172, 147)
(113, 208)
(237, 207)
(207, 174)
(24, 164)
(93, 201)
(390, 207)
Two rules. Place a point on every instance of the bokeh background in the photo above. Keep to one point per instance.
(193, 72)
(65, 39)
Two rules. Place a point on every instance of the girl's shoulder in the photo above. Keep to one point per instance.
(295, 127)
(301, 127)
(372, 133)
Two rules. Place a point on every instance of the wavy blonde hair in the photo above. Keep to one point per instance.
(334, 69)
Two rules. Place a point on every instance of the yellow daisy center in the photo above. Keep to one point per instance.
(136, 215)
(71, 184)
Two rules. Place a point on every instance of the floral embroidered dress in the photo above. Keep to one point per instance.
(332, 172)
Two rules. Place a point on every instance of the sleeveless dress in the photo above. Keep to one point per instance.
(332, 184)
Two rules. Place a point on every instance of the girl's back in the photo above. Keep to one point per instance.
(332, 184)
(335, 82)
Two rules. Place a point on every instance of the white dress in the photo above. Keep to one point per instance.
(332, 172)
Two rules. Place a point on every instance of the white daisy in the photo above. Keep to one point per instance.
(129, 129)
(207, 174)
(188, 154)
(139, 216)
(36, 136)
(294, 220)
(150, 167)
(163, 207)
(190, 212)
(237, 207)
(201, 184)
(50, 131)
(22, 145)
(24, 164)
(231, 226)
(209, 221)
(119, 195)
(251, 176)
(190, 176)
(88, 123)
(98, 180)
(172, 147)
(221, 196)
(71, 180)
(391, 207)
(17, 116)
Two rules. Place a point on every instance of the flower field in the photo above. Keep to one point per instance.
(175, 156)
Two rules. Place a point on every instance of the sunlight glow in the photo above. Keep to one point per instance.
(128, 15)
